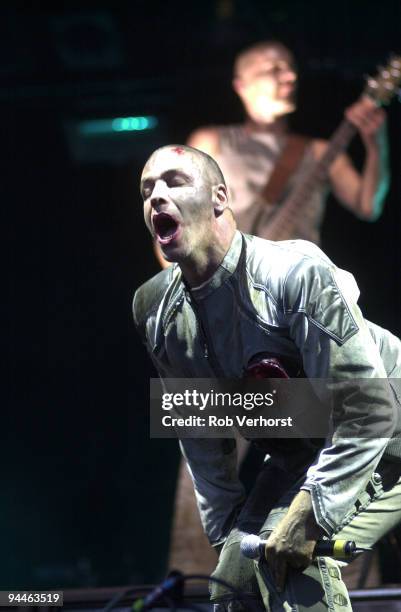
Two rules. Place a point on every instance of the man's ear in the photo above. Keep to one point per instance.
(219, 198)
(237, 85)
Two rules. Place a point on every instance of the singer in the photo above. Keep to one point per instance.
(229, 300)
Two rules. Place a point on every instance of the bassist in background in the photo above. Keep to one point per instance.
(265, 79)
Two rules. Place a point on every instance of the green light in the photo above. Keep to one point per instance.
(97, 127)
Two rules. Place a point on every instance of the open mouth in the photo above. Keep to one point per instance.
(286, 90)
(166, 227)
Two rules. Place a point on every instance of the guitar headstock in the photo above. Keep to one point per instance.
(385, 84)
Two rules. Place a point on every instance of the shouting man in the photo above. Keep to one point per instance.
(228, 299)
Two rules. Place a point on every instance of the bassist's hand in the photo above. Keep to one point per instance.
(368, 119)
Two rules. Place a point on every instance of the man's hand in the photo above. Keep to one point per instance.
(293, 540)
(368, 119)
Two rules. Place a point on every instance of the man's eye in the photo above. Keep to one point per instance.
(177, 182)
(265, 73)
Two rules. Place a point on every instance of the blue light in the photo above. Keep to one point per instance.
(97, 127)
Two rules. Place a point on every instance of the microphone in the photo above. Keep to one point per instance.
(253, 547)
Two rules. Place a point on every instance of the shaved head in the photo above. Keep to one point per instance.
(204, 162)
(265, 78)
(247, 57)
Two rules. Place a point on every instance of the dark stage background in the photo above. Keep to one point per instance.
(86, 497)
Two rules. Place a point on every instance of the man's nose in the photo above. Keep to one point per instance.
(159, 194)
(289, 75)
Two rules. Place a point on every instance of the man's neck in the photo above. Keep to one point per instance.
(198, 272)
(201, 267)
(277, 126)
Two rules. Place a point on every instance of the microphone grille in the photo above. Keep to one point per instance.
(250, 546)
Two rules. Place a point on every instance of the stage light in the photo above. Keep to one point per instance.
(97, 127)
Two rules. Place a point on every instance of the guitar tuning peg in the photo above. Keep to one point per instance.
(372, 82)
(381, 87)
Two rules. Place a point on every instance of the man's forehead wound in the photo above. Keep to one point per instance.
(178, 150)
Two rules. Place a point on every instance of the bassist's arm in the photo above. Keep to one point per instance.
(363, 193)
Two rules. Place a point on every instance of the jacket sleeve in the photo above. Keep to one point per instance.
(212, 464)
(335, 343)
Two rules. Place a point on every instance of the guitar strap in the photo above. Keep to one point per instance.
(285, 167)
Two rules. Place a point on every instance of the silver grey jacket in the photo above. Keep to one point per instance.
(287, 299)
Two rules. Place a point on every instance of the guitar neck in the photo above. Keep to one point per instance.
(285, 221)
(337, 144)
